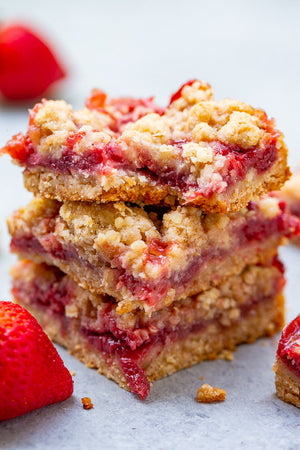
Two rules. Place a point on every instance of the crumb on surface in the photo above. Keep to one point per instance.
(201, 378)
(72, 373)
(210, 394)
(227, 355)
(87, 403)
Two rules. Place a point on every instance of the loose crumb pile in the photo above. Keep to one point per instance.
(210, 394)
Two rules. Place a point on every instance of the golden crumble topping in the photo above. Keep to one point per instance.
(194, 117)
(209, 394)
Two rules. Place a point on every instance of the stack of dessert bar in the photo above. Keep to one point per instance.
(151, 242)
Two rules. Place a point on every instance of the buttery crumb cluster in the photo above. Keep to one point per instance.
(209, 394)
(146, 248)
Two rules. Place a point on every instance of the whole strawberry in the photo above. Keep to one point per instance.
(32, 374)
(28, 66)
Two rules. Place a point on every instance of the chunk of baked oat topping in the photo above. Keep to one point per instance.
(197, 151)
(208, 394)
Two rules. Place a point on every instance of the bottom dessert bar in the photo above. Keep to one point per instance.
(135, 349)
(287, 365)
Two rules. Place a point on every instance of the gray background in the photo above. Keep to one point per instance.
(247, 50)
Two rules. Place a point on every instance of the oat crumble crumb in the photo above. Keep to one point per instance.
(227, 355)
(87, 403)
(210, 394)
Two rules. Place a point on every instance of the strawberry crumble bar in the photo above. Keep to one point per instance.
(135, 349)
(148, 258)
(218, 155)
(287, 365)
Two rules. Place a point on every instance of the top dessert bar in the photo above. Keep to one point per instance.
(218, 155)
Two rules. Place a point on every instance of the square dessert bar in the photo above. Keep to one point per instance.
(287, 365)
(218, 155)
(135, 349)
(147, 258)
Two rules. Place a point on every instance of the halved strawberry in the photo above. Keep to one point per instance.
(32, 374)
(27, 65)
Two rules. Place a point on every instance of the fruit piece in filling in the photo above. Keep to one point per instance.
(148, 258)
(287, 365)
(197, 151)
(135, 349)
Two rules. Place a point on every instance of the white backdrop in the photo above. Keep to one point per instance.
(247, 50)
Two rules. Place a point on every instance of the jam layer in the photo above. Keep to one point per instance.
(148, 259)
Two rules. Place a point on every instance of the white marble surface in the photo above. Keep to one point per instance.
(247, 50)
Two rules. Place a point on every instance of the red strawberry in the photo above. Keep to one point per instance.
(32, 374)
(27, 65)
